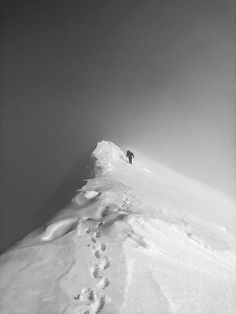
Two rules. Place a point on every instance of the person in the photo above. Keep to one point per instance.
(130, 156)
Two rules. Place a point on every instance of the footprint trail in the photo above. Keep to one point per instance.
(94, 300)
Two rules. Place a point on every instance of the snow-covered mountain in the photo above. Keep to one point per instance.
(135, 239)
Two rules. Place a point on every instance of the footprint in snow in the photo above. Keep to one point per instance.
(105, 263)
(98, 305)
(103, 283)
(97, 253)
(99, 224)
(94, 270)
(93, 240)
(96, 234)
(94, 301)
(102, 246)
(87, 295)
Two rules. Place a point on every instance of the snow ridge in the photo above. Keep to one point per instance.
(127, 243)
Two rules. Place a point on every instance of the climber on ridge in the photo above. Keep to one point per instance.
(130, 156)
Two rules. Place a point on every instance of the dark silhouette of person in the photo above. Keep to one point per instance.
(130, 156)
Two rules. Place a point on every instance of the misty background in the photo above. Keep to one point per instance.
(154, 75)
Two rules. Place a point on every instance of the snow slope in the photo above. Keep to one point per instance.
(136, 239)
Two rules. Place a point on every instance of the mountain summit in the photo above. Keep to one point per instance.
(134, 239)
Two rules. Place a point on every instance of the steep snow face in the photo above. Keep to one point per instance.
(136, 239)
(157, 185)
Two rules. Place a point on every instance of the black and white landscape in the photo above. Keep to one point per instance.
(135, 239)
(83, 228)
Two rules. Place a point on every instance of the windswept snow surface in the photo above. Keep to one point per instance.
(136, 239)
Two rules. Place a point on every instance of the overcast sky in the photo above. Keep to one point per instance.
(155, 75)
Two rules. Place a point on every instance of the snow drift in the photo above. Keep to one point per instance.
(135, 239)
